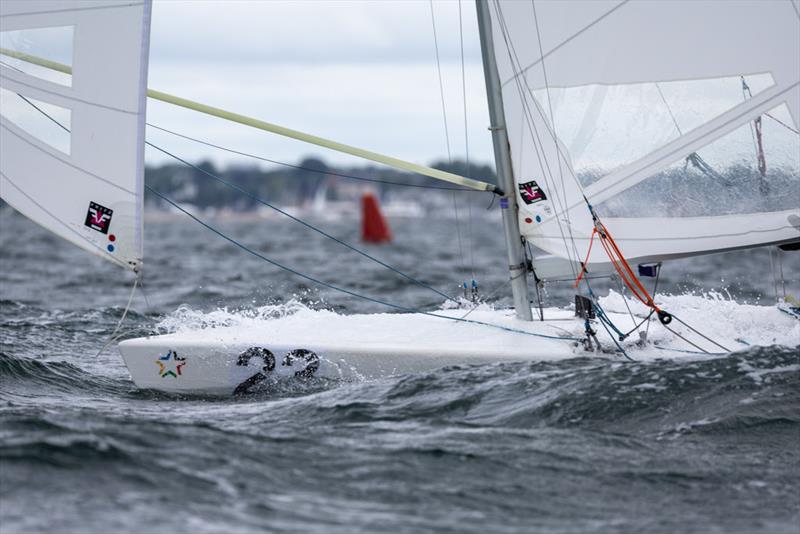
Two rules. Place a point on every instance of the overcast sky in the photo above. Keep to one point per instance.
(359, 72)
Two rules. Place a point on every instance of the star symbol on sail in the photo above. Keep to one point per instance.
(170, 364)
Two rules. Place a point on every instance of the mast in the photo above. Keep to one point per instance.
(505, 177)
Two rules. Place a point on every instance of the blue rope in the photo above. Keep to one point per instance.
(341, 289)
(304, 223)
(603, 320)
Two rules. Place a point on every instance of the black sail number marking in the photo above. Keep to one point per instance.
(244, 360)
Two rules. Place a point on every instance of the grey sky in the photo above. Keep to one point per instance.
(359, 72)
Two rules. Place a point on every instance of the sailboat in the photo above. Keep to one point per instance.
(611, 121)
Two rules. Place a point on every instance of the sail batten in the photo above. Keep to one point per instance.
(617, 101)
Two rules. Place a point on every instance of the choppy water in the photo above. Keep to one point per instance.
(580, 445)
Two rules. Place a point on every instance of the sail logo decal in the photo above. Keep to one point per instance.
(531, 192)
(98, 217)
(170, 364)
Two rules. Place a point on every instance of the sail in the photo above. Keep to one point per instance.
(677, 122)
(72, 143)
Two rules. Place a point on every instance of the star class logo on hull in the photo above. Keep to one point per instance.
(170, 364)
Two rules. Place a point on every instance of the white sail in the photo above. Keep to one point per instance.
(608, 99)
(78, 170)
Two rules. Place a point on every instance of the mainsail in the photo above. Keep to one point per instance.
(80, 174)
(677, 121)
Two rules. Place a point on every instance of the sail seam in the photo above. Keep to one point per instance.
(57, 94)
(54, 156)
(102, 253)
(536, 141)
(689, 237)
(52, 11)
(524, 70)
(602, 190)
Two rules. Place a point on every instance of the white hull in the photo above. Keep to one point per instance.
(210, 361)
(356, 347)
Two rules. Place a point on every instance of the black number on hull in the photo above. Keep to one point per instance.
(244, 360)
(298, 355)
(310, 357)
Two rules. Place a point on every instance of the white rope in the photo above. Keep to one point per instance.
(466, 141)
(113, 336)
(447, 137)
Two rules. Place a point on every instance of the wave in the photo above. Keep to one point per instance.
(755, 390)
(41, 377)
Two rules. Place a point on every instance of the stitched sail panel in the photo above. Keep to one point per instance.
(72, 143)
(649, 109)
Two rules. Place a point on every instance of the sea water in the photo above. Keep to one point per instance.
(673, 444)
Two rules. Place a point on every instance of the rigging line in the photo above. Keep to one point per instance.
(779, 253)
(782, 123)
(655, 290)
(101, 251)
(596, 21)
(680, 144)
(254, 197)
(606, 322)
(341, 289)
(441, 83)
(533, 131)
(528, 115)
(73, 10)
(66, 162)
(113, 335)
(625, 300)
(698, 347)
(690, 351)
(552, 118)
(669, 109)
(300, 167)
(301, 221)
(745, 90)
(447, 136)
(492, 293)
(541, 112)
(684, 323)
(67, 96)
(536, 281)
(470, 240)
(637, 326)
(772, 272)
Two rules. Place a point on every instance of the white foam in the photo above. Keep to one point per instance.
(734, 325)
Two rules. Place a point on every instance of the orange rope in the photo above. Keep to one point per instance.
(585, 261)
(620, 265)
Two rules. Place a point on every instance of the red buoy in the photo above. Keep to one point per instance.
(374, 227)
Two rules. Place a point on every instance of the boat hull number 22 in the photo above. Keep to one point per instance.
(306, 362)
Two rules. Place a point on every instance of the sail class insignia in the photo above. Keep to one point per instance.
(98, 217)
(531, 192)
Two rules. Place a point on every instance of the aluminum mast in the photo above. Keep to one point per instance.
(505, 177)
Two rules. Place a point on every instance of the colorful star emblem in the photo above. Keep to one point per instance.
(170, 364)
